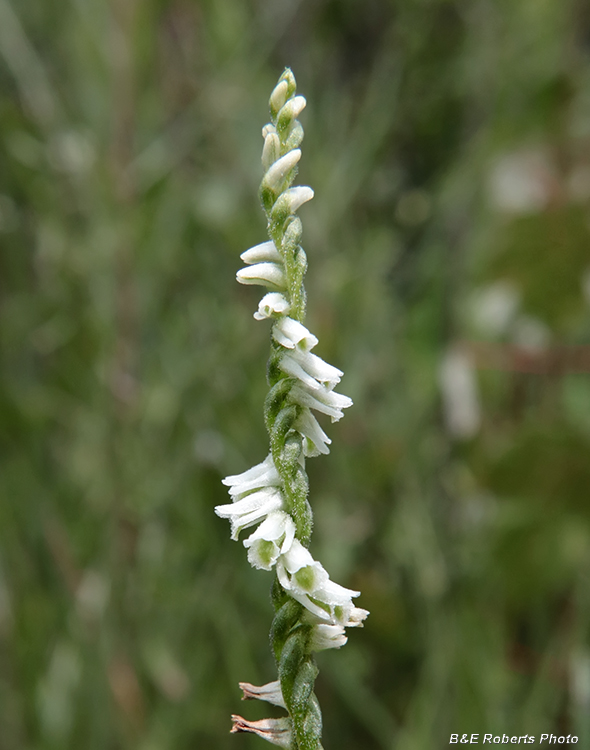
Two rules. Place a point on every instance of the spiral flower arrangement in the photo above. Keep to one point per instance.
(311, 611)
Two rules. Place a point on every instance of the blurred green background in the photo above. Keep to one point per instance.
(448, 144)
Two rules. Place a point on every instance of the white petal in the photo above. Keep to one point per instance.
(253, 501)
(279, 95)
(341, 612)
(263, 554)
(273, 303)
(263, 274)
(278, 171)
(273, 528)
(335, 595)
(291, 333)
(297, 196)
(289, 538)
(297, 557)
(292, 108)
(318, 611)
(271, 479)
(303, 574)
(271, 150)
(289, 366)
(271, 693)
(325, 636)
(268, 128)
(274, 536)
(282, 574)
(356, 617)
(290, 200)
(246, 476)
(265, 251)
(317, 368)
(259, 476)
(322, 400)
(309, 579)
(251, 509)
(309, 427)
(277, 731)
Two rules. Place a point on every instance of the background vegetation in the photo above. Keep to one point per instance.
(448, 143)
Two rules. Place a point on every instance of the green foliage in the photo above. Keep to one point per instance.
(131, 378)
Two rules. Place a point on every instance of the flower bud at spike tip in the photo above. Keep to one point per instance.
(291, 83)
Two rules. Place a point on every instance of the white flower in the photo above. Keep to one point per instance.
(310, 369)
(322, 400)
(317, 378)
(265, 251)
(277, 172)
(308, 582)
(273, 537)
(298, 572)
(263, 274)
(338, 597)
(348, 615)
(316, 440)
(335, 614)
(273, 303)
(356, 617)
(271, 693)
(290, 200)
(251, 509)
(291, 333)
(263, 474)
(277, 731)
(256, 497)
(325, 636)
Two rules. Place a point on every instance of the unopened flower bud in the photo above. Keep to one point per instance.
(271, 150)
(290, 111)
(281, 168)
(278, 96)
(290, 201)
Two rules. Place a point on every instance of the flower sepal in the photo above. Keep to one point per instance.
(271, 693)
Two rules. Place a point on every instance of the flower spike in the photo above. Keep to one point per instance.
(312, 611)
